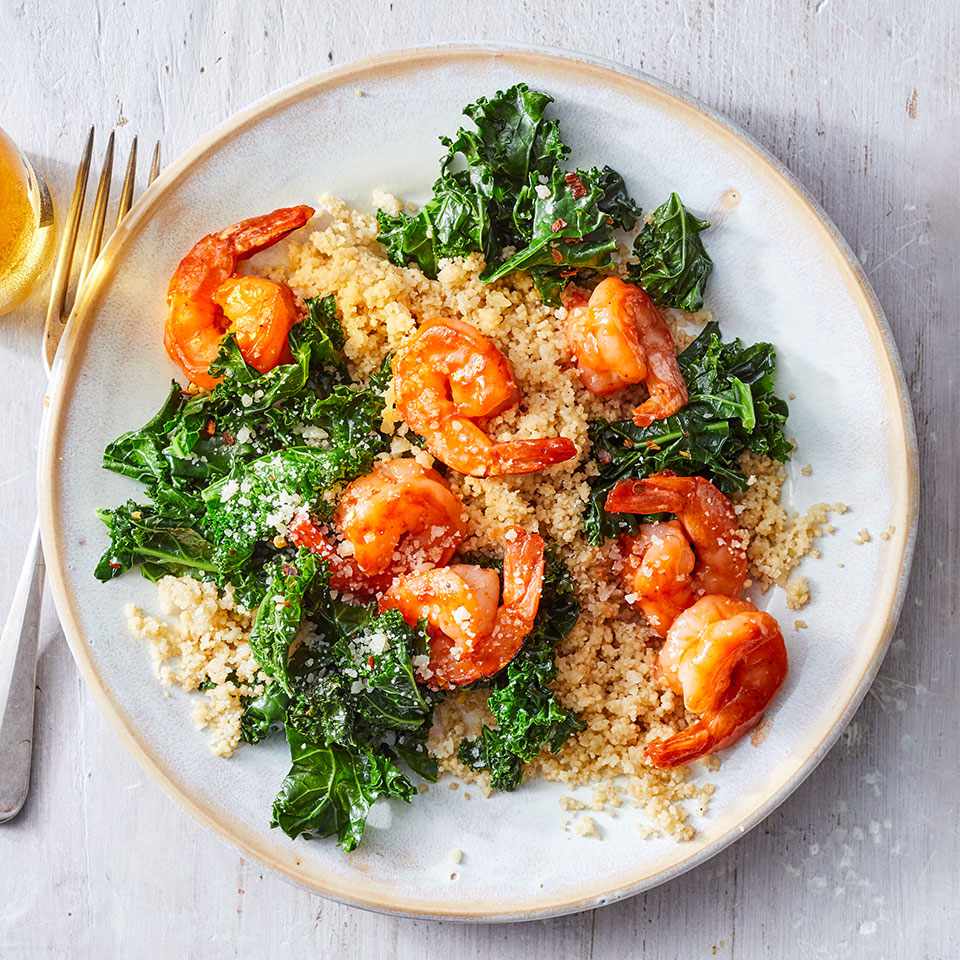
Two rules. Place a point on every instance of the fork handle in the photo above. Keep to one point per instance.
(18, 674)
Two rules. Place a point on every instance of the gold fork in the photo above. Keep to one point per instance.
(57, 314)
(18, 645)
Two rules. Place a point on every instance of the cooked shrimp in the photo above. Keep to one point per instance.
(205, 300)
(619, 338)
(727, 659)
(658, 564)
(471, 637)
(668, 565)
(450, 376)
(397, 518)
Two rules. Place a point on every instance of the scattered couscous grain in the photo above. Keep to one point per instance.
(798, 592)
(779, 540)
(888, 533)
(586, 827)
(800, 624)
(863, 536)
(206, 647)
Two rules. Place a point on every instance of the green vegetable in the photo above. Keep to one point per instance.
(503, 185)
(329, 790)
(280, 615)
(246, 436)
(264, 713)
(355, 712)
(138, 534)
(528, 714)
(732, 409)
(672, 264)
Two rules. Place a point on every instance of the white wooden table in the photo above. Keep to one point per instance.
(861, 99)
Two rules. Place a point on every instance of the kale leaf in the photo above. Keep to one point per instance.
(355, 712)
(264, 714)
(329, 790)
(247, 437)
(528, 714)
(732, 408)
(280, 614)
(672, 264)
(566, 225)
(138, 534)
(502, 185)
(363, 682)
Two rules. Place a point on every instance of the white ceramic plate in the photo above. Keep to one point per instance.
(782, 274)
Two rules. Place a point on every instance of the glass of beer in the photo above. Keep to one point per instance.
(26, 225)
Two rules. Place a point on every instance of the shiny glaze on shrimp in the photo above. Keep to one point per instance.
(399, 517)
(618, 338)
(471, 637)
(669, 565)
(727, 659)
(205, 299)
(450, 376)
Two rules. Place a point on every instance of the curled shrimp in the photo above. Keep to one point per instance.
(471, 636)
(448, 377)
(727, 659)
(205, 299)
(397, 518)
(669, 565)
(619, 338)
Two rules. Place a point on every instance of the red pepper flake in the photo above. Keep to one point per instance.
(558, 224)
(211, 427)
(572, 241)
(229, 439)
(653, 445)
(568, 272)
(556, 254)
(114, 565)
(371, 662)
(577, 189)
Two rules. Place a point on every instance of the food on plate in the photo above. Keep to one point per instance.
(449, 376)
(670, 564)
(206, 299)
(727, 659)
(472, 637)
(619, 338)
(442, 524)
(399, 517)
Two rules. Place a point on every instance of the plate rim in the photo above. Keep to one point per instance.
(66, 369)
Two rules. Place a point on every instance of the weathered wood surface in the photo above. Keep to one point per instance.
(861, 100)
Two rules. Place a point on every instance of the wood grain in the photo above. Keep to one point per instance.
(861, 100)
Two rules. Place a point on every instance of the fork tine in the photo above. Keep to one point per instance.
(154, 164)
(129, 178)
(99, 215)
(61, 272)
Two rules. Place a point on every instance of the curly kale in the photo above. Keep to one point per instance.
(732, 408)
(528, 715)
(503, 185)
(672, 264)
(271, 439)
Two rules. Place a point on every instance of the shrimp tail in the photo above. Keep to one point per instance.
(681, 748)
(250, 236)
(529, 456)
(643, 496)
(523, 567)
